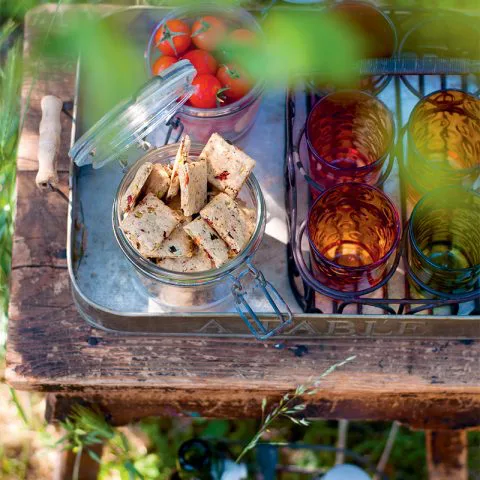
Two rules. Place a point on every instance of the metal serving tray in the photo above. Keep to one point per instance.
(105, 286)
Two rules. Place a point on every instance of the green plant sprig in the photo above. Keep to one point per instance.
(87, 427)
(290, 407)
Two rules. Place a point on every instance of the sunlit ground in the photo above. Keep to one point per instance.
(24, 452)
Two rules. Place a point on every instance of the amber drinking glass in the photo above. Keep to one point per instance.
(349, 137)
(354, 232)
(443, 248)
(443, 142)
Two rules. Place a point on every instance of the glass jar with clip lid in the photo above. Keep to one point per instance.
(125, 128)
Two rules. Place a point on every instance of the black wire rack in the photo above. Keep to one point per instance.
(403, 74)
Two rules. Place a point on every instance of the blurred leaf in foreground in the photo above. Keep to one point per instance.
(114, 64)
(443, 34)
(9, 123)
(301, 43)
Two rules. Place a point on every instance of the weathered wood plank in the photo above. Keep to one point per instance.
(418, 410)
(40, 235)
(50, 348)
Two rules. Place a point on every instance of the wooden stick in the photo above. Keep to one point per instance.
(49, 142)
(341, 441)
(382, 463)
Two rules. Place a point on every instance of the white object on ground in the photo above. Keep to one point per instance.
(346, 472)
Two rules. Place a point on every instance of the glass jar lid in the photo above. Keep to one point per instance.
(132, 120)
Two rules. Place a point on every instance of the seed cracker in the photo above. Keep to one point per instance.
(205, 237)
(158, 181)
(181, 157)
(199, 262)
(193, 186)
(226, 218)
(129, 199)
(149, 224)
(227, 166)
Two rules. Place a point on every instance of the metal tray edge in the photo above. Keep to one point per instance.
(308, 326)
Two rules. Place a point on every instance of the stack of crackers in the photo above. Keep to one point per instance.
(186, 217)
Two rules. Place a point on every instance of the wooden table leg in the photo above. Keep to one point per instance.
(87, 468)
(447, 454)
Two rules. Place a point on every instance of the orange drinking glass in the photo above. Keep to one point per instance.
(354, 232)
(443, 142)
(349, 136)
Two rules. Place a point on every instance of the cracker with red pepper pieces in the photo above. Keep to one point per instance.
(250, 216)
(165, 232)
(198, 262)
(205, 237)
(227, 166)
(225, 216)
(149, 224)
(193, 186)
(129, 199)
(178, 244)
(180, 158)
(158, 181)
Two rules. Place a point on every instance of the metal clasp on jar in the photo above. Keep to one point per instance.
(251, 319)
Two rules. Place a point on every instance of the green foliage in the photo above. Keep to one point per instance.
(16, 9)
(290, 407)
(301, 43)
(474, 453)
(115, 66)
(9, 122)
(86, 428)
(216, 429)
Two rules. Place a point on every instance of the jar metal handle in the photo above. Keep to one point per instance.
(251, 319)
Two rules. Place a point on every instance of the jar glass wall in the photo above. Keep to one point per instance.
(231, 121)
(188, 291)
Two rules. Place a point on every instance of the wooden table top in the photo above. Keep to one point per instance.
(425, 383)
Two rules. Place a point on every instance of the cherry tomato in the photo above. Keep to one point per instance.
(203, 61)
(243, 37)
(236, 82)
(208, 91)
(162, 63)
(208, 32)
(173, 38)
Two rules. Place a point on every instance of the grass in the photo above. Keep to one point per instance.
(27, 445)
(9, 123)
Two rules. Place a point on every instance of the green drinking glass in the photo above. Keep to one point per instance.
(443, 244)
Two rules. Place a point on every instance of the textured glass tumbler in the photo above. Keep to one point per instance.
(354, 231)
(443, 248)
(349, 136)
(443, 142)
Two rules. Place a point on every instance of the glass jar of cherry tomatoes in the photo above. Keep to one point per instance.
(226, 98)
